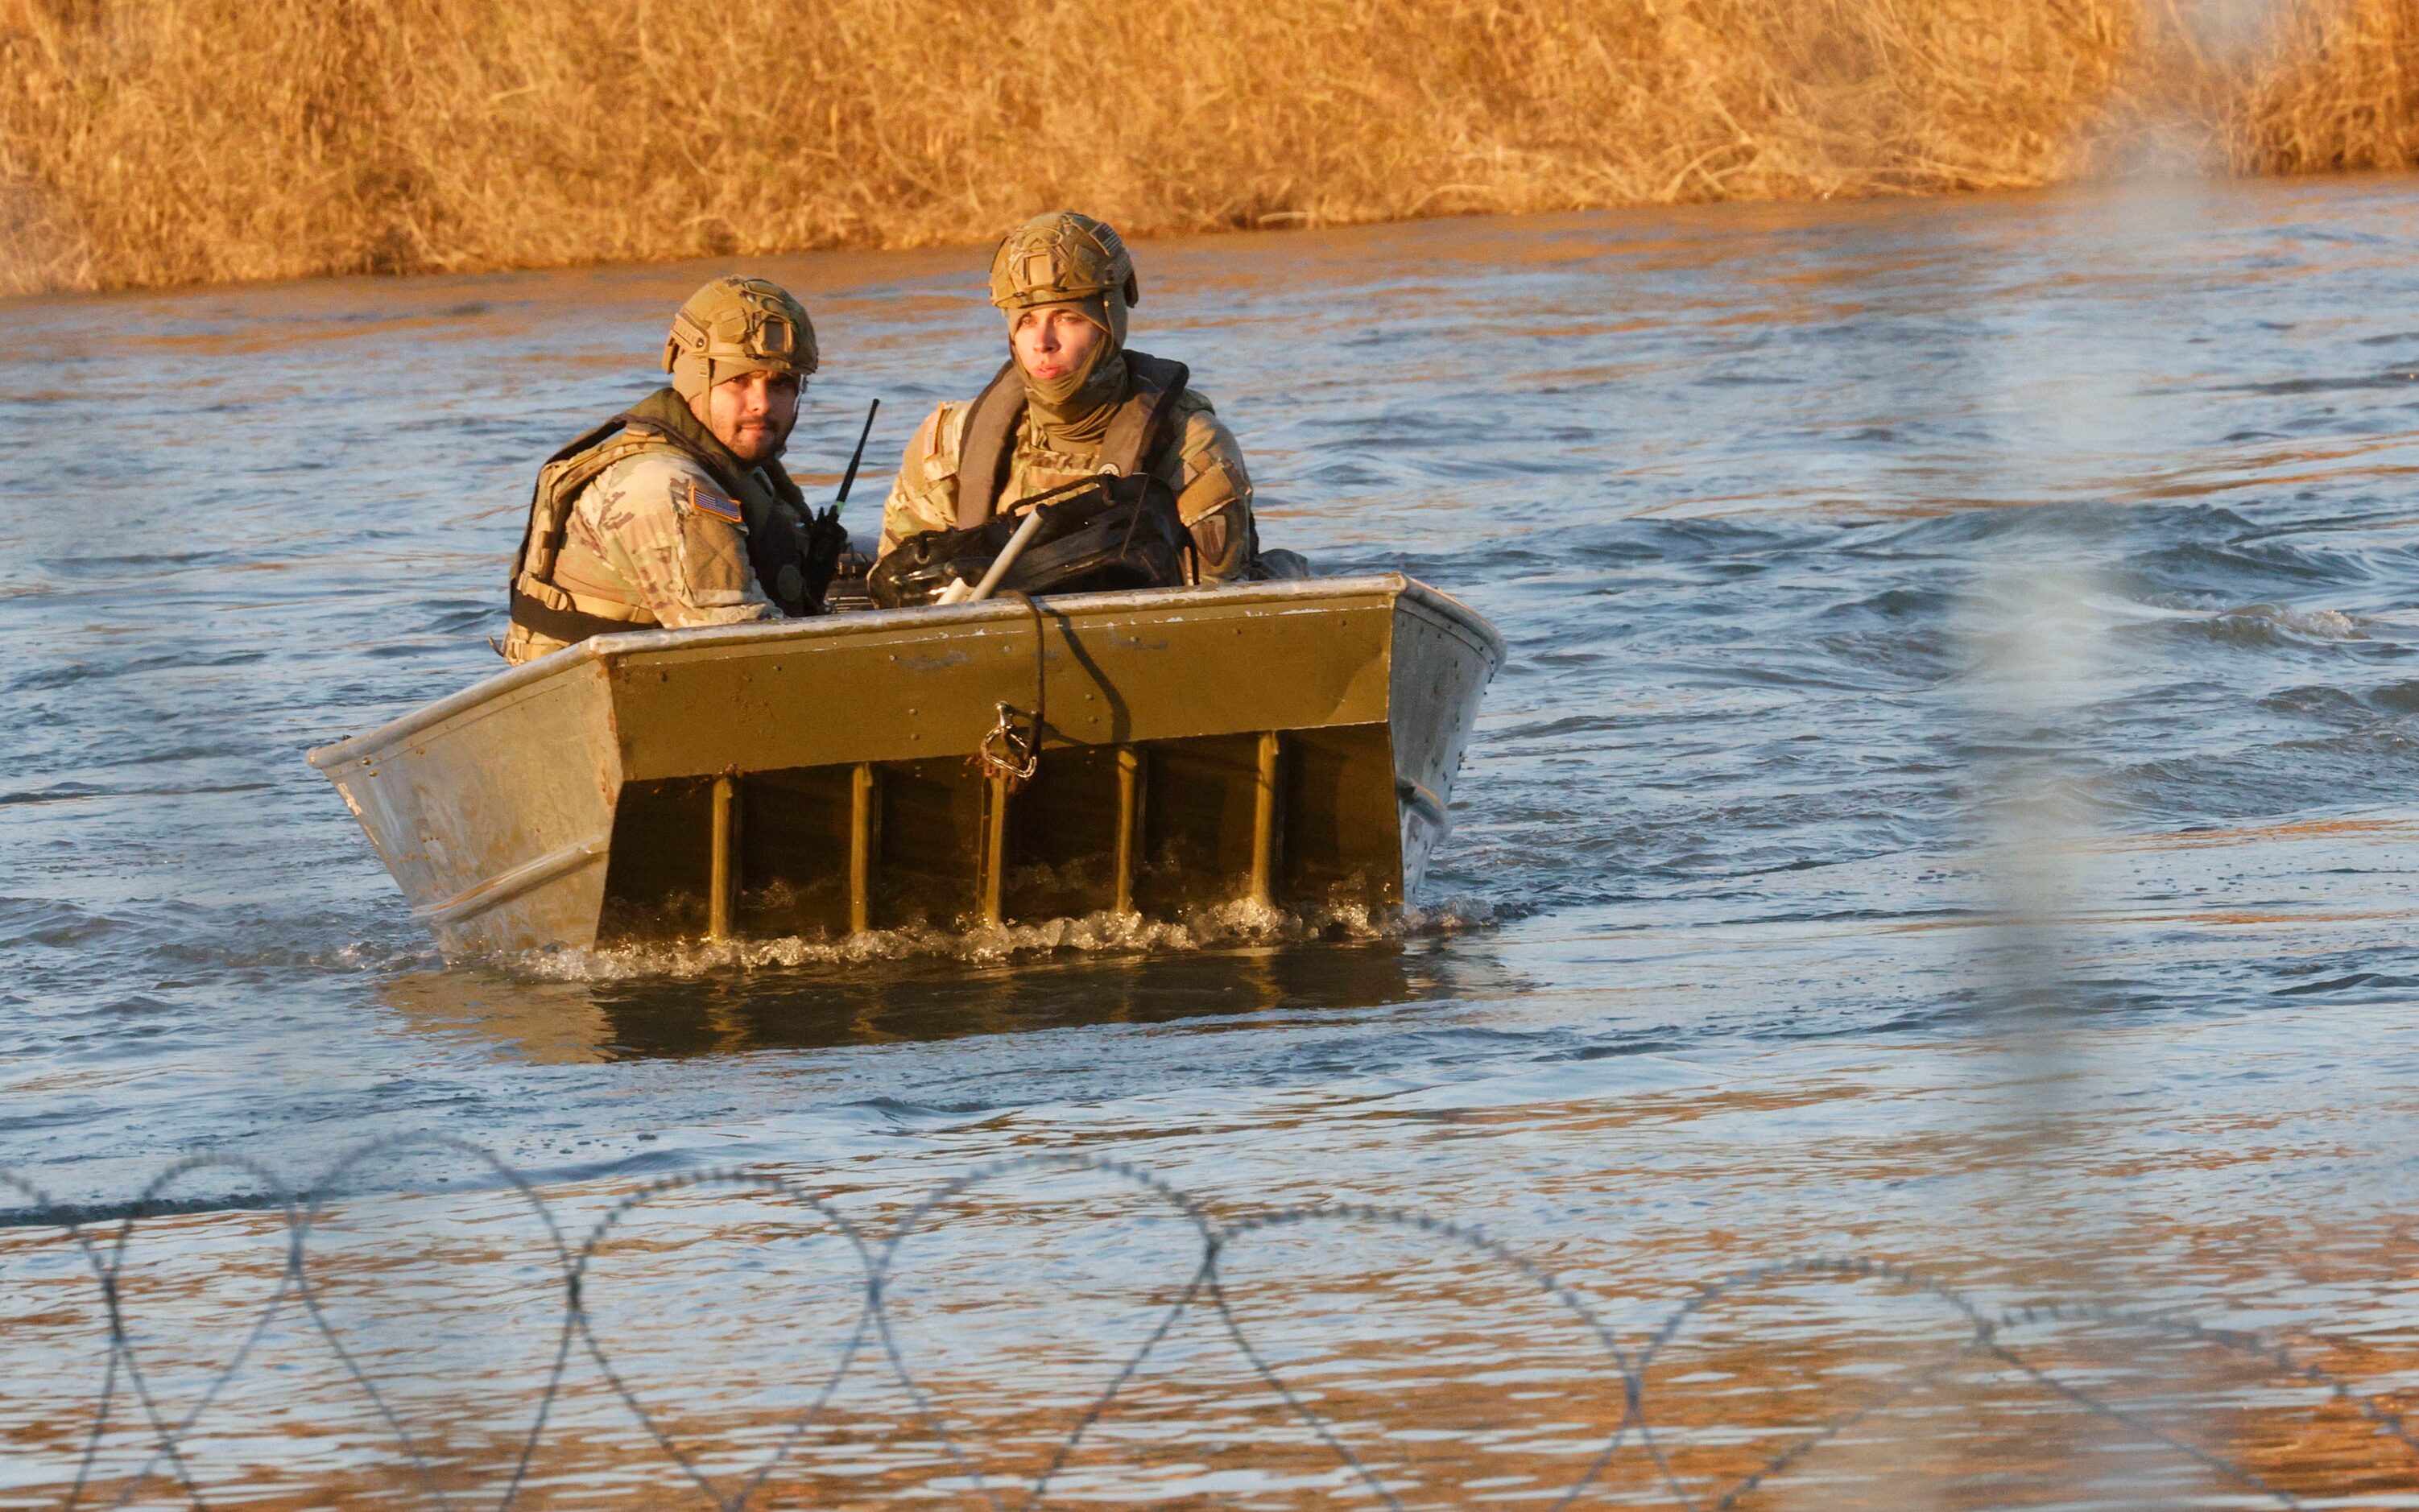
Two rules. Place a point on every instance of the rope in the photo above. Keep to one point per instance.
(1006, 753)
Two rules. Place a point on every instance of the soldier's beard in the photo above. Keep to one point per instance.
(754, 440)
(759, 444)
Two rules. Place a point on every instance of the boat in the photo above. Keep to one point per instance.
(1287, 745)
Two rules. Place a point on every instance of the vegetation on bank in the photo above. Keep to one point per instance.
(151, 142)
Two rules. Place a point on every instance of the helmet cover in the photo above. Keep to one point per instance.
(1063, 258)
(736, 326)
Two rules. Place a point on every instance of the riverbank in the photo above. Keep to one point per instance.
(205, 141)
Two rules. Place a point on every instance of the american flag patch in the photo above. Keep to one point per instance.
(711, 503)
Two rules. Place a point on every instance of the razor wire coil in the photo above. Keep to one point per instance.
(123, 1375)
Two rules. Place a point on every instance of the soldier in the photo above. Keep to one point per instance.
(677, 512)
(1052, 415)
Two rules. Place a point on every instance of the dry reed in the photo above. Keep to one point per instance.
(148, 142)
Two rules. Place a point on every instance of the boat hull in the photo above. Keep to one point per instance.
(1290, 743)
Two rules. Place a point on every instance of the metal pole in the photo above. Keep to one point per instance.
(1007, 558)
(1129, 800)
(722, 886)
(994, 848)
(1264, 821)
(860, 849)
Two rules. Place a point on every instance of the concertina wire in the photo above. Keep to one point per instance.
(872, 1336)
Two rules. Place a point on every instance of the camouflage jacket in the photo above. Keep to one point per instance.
(652, 541)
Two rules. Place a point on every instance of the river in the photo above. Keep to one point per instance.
(1948, 802)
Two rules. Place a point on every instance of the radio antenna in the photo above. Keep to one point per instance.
(848, 479)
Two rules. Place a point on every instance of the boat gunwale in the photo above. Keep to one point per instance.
(606, 647)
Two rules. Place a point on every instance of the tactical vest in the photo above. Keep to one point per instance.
(1140, 432)
(770, 505)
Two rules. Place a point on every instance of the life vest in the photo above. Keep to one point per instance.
(771, 510)
(1140, 432)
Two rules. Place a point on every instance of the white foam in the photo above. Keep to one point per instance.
(2312, 623)
(1241, 922)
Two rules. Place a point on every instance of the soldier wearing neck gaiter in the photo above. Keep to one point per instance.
(1064, 282)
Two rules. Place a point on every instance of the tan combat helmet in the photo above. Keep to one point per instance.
(1067, 258)
(734, 326)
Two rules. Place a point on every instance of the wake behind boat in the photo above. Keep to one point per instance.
(1150, 752)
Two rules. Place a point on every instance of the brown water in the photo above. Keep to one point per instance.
(1950, 802)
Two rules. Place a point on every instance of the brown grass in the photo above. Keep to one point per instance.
(148, 142)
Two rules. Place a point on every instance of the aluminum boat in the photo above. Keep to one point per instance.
(1289, 744)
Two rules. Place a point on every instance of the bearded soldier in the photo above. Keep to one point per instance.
(676, 512)
(1072, 402)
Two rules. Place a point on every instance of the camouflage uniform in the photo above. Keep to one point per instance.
(1071, 260)
(651, 541)
(630, 528)
(1213, 493)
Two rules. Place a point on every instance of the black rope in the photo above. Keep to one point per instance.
(1018, 758)
(1040, 668)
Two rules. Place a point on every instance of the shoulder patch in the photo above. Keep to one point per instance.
(708, 502)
